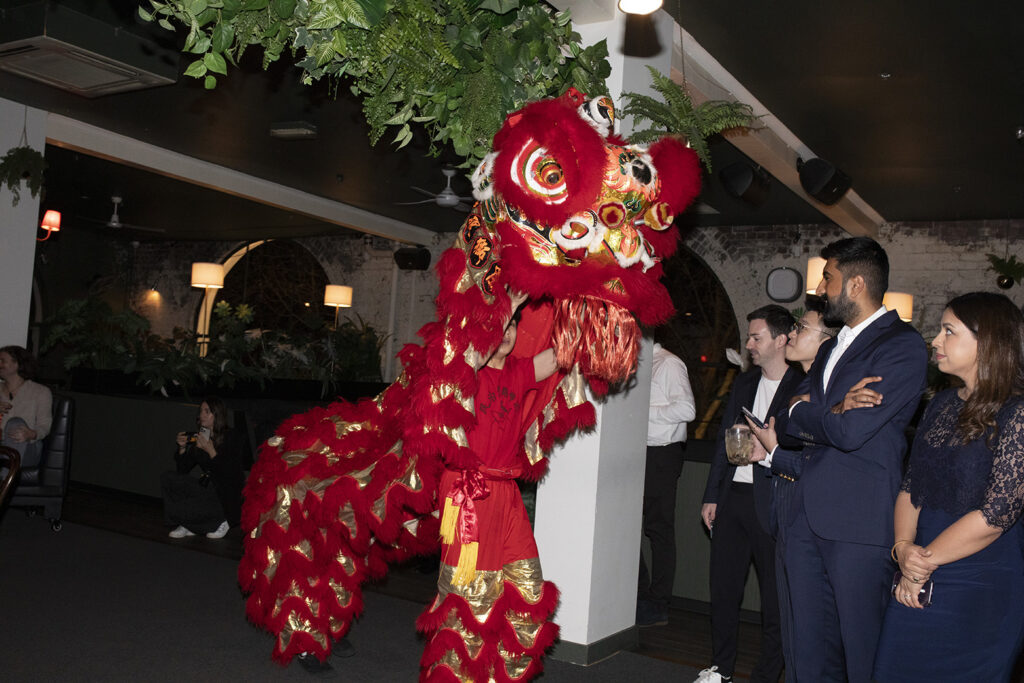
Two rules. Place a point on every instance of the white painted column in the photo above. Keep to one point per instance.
(590, 504)
(588, 524)
(18, 226)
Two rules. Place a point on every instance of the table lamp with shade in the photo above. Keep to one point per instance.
(338, 296)
(900, 302)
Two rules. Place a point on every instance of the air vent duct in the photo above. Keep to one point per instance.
(75, 52)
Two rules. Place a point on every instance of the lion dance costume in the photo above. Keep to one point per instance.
(578, 220)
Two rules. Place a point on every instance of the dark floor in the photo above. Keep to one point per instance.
(686, 640)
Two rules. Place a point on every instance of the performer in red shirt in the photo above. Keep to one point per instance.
(488, 544)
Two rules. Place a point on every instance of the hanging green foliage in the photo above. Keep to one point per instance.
(456, 67)
(677, 115)
(22, 163)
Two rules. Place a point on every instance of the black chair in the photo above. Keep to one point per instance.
(46, 485)
(10, 459)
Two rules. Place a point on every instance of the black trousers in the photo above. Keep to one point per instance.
(190, 504)
(664, 465)
(739, 539)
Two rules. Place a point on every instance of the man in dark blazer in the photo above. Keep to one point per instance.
(737, 503)
(838, 542)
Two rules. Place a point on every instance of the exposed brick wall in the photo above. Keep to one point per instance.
(932, 261)
(367, 267)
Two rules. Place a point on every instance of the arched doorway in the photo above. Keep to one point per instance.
(703, 328)
(281, 282)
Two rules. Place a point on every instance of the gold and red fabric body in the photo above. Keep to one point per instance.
(579, 221)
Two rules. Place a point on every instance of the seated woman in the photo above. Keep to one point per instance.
(26, 407)
(212, 502)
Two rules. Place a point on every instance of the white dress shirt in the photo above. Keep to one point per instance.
(843, 341)
(672, 404)
(766, 389)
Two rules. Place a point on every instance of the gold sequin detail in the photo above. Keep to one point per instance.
(341, 594)
(449, 351)
(346, 563)
(574, 388)
(348, 518)
(480, 594)
(304, 549)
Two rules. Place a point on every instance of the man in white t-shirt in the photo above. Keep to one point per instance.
(737, 503)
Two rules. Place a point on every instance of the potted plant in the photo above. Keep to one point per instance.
(676, 115)
(22, 164)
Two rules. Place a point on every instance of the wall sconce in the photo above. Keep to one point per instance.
(50, 223)
(338, 296)
(639, 6)
(815, 271)
(822, 180)
(900, 302)
(206, 276)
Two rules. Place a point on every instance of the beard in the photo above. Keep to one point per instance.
(840, 308)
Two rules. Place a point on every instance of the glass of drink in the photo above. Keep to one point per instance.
(739, 444)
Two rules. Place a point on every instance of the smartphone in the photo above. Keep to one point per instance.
(205, 431)
(924, 596)
(753, 418)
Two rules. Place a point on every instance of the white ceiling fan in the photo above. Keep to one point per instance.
(446, 198)
(115, 219)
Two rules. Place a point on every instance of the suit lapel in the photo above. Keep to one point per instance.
(785, 391)
(863, 340)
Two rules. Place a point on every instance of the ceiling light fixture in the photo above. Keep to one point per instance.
(639, 6)
(293, 130)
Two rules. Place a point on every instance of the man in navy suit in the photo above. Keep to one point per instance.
(838, 542)
(737, 503)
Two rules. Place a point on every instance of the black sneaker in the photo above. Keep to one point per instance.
(342, 648)
(314, 666)
(650, 613)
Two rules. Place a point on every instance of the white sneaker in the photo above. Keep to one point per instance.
(180, 532)
(711, 676)
(220, 531)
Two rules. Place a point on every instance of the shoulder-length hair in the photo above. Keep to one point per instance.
(25, 360)
(998, 326)
(220, 418)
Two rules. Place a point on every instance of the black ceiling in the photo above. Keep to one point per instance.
(933, 141)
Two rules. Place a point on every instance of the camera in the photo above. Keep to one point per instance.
(190, 437)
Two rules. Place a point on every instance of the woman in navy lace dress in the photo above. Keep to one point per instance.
(956, 514)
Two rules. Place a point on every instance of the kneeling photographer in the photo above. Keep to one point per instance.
(211, 502)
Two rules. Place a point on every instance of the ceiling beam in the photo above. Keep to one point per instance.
(83, 137)
(770, 144)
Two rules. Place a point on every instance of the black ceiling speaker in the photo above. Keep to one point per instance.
(412, 258)
(822, 180)
(745, 182)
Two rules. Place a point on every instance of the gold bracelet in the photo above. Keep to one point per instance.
(893, 551)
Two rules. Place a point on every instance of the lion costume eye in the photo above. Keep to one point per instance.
(536, 171)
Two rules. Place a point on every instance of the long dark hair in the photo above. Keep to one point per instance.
(998, 325)
(220, 418)
(25, 360)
